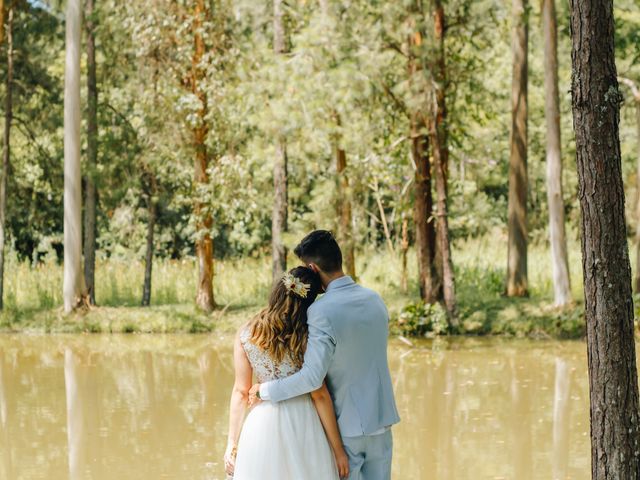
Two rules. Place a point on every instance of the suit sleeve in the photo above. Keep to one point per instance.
(320, 349)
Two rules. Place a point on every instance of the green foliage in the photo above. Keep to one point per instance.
(342, 83)
(242, 287)
(421, 320)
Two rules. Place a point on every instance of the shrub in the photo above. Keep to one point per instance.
(420, 320)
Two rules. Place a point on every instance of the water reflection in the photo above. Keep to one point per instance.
(561, 415)
(491, 409)
(151, 407)
(5, 381)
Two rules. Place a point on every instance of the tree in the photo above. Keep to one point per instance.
(517, 210)
(150, 187)
(343, 191)
(73, 287)
(345, 230)
(92, 158)
(404, 248)
(555, 199)
(428, 281)
(423, 216)
(1, 22)
(613, 377)
(438, 131)
(204, 220)
(280, 187)
(149, 182)
(6, 151)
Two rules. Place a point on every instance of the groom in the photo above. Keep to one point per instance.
(348, 330)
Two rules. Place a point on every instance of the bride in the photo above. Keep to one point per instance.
(285, 440)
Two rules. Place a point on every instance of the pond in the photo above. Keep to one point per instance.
(155, 407)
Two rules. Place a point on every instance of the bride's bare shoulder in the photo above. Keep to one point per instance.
(243, 332)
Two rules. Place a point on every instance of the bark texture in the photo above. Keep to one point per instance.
(613, 377)
(517, 211)
(92, 158)
(1, 22)
(204, 221)
(151, 187)
(557, 234)
(404, 248)
(441, 161)
(428, 279)
(423, 218)
(6, 150)
(73, 278)
(279, 223)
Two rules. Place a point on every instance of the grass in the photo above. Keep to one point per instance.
(33, 294)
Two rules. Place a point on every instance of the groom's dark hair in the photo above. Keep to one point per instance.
(321, 248)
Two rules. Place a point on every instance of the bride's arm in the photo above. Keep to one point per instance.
(324, 406)
(239, 401)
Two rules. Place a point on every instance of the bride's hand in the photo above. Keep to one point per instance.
(342, 462)
(230, 459)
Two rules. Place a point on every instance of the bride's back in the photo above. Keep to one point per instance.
(264, 367)
(276, 338)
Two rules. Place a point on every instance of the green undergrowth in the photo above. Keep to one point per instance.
(33, 299)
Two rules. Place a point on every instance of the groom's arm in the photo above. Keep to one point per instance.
(320, 349)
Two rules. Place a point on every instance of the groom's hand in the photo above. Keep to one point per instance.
(254, 395)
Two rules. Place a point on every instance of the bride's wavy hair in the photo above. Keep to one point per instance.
(281, 328)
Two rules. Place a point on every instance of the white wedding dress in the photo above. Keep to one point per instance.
(285, 440)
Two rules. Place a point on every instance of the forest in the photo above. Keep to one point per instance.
(197, 141)
(477, 160)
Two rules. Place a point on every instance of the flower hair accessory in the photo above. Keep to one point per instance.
(295, 285)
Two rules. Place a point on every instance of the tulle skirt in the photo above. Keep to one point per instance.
(284, 441)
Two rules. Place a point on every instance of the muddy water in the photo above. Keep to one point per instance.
(155, 407)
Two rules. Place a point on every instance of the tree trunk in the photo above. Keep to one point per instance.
(6, 151)
(423, 217)
(441, 160)
(343, 191)
(557, 235)
(280, 184)
(404, 248)
(428, 279)
(442, 232)
(73, 288)
(613, 377)
(204, 221)
(517, 210)
(2, 21)
(92, 159)
(344, 213)
(151, 186)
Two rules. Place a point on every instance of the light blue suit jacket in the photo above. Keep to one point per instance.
(348, 332)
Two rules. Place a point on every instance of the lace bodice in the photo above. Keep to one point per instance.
(264, 367)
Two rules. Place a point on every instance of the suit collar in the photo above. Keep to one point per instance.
(339, 282)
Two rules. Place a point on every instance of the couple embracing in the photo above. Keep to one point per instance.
(323, 406)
